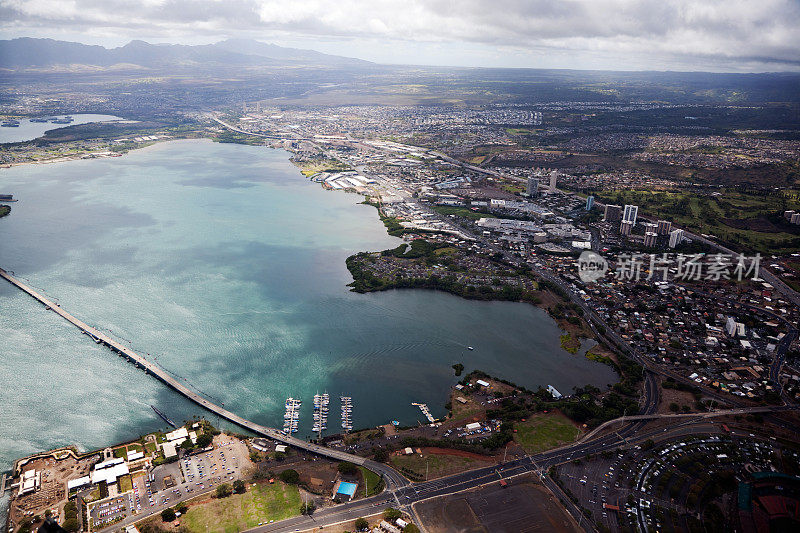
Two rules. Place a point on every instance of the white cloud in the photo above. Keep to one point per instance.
(731, 34)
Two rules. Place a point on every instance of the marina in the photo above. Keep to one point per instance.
(347, 412)
(291, 418)
(321, 402)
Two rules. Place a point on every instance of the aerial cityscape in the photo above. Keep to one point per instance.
(400, 266)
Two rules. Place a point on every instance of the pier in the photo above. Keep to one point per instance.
(425, 411)
(157, 372)
(347, 412)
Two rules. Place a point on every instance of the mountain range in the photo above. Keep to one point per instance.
(27, 52)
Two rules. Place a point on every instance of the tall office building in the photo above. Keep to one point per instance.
(612, 213)
(589, 203)
(650, 239)
(533, 186)
(664, 227)
(553, 177)
(675, 238)
(631, 211)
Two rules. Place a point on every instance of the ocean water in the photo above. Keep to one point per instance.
(227, 267)
(28, 130)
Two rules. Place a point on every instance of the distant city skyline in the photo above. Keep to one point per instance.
(731, 36)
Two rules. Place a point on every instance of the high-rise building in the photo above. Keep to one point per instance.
(788, 214)
(795, 218)
(553, 177)
(675, 237)
(612, 213)
(650, 239)
(625, 227)
(631, 211)
(533, 186)
(589, 203)
(664, 227)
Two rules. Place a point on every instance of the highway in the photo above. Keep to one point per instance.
(537, 464)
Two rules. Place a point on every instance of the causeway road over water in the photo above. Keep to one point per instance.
(392, 478)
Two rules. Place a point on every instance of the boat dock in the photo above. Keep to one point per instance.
(291, 418)
(321, 402)
(347, 412)
(425, 411)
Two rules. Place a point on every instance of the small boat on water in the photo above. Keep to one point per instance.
(470, 348)
(10, 124)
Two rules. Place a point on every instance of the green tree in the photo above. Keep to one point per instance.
(347, 468)
(204, 440)
(390, 513)
(361, 524)
(459, 368)
(71, 524)
(238, 486)
(167, 515)
(381, 455)
(224, 490)
(290, 476)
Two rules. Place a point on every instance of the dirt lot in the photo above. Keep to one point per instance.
(669, 396)
(54, 476)
(438, 462)
(523, 507)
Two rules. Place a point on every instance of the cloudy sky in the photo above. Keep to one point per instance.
(727, 35)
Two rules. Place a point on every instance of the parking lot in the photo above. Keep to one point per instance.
(111, 510)
(168, 484)
(221, 465)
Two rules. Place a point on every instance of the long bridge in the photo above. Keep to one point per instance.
(392, 478)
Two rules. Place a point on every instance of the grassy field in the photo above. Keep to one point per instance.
(748, 222)
(243, 511)
(437, 465)
(545, 431)
(125, 483)
(373, 482)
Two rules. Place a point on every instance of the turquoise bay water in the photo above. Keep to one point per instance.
(228, 267)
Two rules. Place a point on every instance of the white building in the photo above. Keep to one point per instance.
(553, 178)
(650, 239)
(109, 471)
(630, 213)
(675, 237)
(31, 481)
